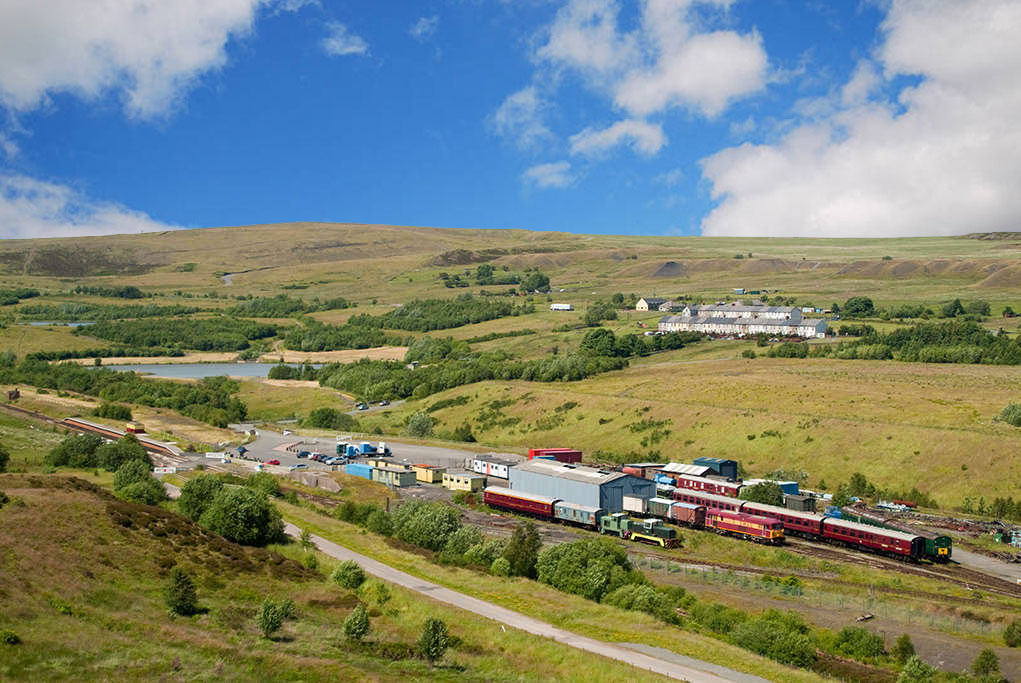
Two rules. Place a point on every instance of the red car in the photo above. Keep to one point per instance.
(272, 462)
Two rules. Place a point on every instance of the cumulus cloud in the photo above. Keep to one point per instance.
(148, 51)
(644, 137)
(341, 42)
(668, 61)
(942, 157)
(424, 28)
(34, 208)
(546, 176)
(520, 118)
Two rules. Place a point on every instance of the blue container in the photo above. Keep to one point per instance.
(834, 511)
(790, 488)
(368, 448)
(664, 479)
(359, 469)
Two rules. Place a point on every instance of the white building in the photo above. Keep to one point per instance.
(649, 303)
(739, 319)
(561, 307)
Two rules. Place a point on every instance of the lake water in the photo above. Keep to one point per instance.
(200, 370)
(46, 323)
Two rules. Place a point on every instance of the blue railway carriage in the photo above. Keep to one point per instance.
(573, 513)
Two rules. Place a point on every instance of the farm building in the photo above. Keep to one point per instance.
(579, 484)
(394, 476)
(649, 303)
(463, 481)
(561, 307)
(492, 466)
(430, 474)
(561, 454)
(720, 466)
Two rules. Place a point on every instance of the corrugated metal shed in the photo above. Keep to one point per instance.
(684, 468)
(579, 484)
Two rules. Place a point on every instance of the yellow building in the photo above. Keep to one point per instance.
(463, 481)
(429, 473)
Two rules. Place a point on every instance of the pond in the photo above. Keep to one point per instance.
(200, 370)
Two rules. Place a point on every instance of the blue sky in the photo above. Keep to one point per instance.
(775, 117)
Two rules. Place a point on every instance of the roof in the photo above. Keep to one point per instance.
(524, 495)
(642, 464)
(653, 300)
(855, 526)
(492, 459)
(745, 308)
(777, 510)
(717, 461)
(709, 320)
(579, 473)
(463, 473)
(683, 468)
(576, 506)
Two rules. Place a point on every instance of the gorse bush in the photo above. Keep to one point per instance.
(356, 626)
(348, 575)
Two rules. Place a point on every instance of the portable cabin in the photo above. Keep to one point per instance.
(463, 481)
(491, 466)
(394, 476)
(359, 469)
(430, 474)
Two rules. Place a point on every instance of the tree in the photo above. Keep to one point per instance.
(272, 614)
(149, 491)
(348, 574)
(534, 281)
(522, 551)
(433, 643)
(766, 493)
(599, 311)
(858, 642)
(356, 626)
(484, 274)
(903, 649)
(265, 483)
(129, 473)
(1012, 634)
(5, 458)
(601, 342)
(329, 418)
(952, 309)
(112, 455)
(420, 424)
(986, 663)
(916, 671)
(858, 307)
(427, 525)
(75, 451)
(197, 494)
(244, 516)
(500, 567)
(179, 594)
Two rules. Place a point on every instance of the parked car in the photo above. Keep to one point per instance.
(287, 432)
(273, 462)
(384, 402)
(362, 406)
(303, 454)
(299, 466)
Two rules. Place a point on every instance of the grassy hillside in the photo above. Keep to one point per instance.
(83, 580)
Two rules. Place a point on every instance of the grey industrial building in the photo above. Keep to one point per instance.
(579, 484)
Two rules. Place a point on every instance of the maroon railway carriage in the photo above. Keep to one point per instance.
(877, 539)
(519, 501)
(794, 522)
(709, 500)
(715, 486)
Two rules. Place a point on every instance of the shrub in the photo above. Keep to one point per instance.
(420, 424)
(75, 451)
(501, 567)
(522, 550)
(356, 626)
(129, 473)
(265, 483)
(916, 671)
(433, 642)
(243, 516)
(112, 455)
(197, 494)
(717, 617)
(330, 418)
(903, 649)
(179, 594)
(781, 636)
(348, 575)
(8, 637)
(766, 493)
(463, 433)
(5, 458)
(590, 568)
(484, 554)
(986, 663)
(1011, 414)
(748, 353)
(112, 411)
(459, 542)
(858, 642)
(427, 525)
(147, 492)
(379, 522)
(1012, 634)
(272, 614)
(642, 598)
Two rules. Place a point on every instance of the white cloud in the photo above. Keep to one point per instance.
(34, 208)
(943, 158)
(520, 118)
(149, 51)
(545, 176)
(668, 61)
(294, 5)
(644, 137)
(670, 178)
(424, 28)
(341, 42)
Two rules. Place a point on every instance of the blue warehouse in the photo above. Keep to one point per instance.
(579, 484)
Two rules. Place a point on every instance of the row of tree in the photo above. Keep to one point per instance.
(201, 334)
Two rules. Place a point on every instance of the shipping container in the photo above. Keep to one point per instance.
(357, 469)
(561, 454)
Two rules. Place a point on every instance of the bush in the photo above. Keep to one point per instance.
(917, 671)
(379, 522)
(75, 451)
(348, 575)
(766, 493)
(433, 642)
(243, 516)
(1012, 634)
(500, 567)
(591, 568)
(748, 353)
(197, 494)
(903, 649)
(485, 553)
(356, 626)
(859, 643)
(420, 424)
(129, 473)
(5, 458)
(147, 492)
(781, 636)
(717, 617)
(265, 483)
(111, 456)
(459, 542)
(330, 418)
(427, 525)
(8, 637)
(272, 614)
(179, 594)
(522, 550)
(1011, 414)
(986, 663)
(642, 598)
(112, 411)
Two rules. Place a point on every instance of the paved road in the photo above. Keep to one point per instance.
(989, 565)
(698, 672)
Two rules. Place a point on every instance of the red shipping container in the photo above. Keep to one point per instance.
(568, 455)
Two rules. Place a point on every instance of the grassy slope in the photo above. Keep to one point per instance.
(71, 547)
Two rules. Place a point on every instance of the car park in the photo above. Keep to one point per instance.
(273, 462)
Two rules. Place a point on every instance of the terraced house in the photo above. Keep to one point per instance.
(740, 319)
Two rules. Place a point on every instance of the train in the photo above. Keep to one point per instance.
(648, 529)
(895, 543)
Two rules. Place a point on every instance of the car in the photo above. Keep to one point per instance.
(287, 432)
(299, 466)
(303, 454)
(384, 402)
(273, 462)
(362, 406)
(333, 461)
